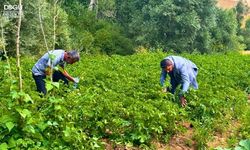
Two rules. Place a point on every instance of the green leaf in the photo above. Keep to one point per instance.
(56, 84)
(4, 146)
(52, 123)
(49, 86)
(56, 68)
(238, 148)
(245, 144)
(55, 123)
(10, 125)
(67, 132)
(27, 98)
(55, 100)
(42, 126)
(11, 143)
(58, 107)
(30, 129)
(52, 56)
(21, 93)
(49, 123)
(7, 118)
(24, 112)
(14, 95)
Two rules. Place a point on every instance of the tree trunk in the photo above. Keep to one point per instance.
(41, 25)
(54, 23)
(4, 50)
(93, 5)
(54, 36)
(18, 46)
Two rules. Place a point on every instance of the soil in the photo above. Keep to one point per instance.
(184, 141)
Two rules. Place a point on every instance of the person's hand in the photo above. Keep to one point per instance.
(76, 80)
(48, 71)
(183, 101)
(164, 90)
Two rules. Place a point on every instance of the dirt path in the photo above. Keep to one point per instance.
(220, 139)
(181, 141)
(184, 141)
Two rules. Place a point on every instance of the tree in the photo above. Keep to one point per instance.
(241, 10)
(224, 35)
(245, 32)
(18, 46)
(93, 6)
(2, 44)
(181, 25)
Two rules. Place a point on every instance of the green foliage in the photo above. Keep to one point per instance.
(245, 33)
(118, 26)
(110, 41)
(189, 25)
(31, 35)
(93, 35)
(243, 145)
(246, 125)
(241, 9)
(225, 33)
(119, 100)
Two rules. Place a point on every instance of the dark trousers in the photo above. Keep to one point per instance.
(40, 81)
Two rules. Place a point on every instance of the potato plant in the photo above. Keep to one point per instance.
(119, 99)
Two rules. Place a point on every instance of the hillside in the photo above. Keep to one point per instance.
(227, 4)
(230, 3)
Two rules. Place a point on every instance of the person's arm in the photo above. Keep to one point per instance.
(163, 77)
(69, 77)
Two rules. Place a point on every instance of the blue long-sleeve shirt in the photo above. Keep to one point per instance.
(45, 61)
(184, 72)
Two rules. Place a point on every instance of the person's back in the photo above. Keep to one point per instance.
(44, 67)
(179, 62)
(182, 72)
(44, 62)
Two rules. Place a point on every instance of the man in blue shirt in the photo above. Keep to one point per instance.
(44, 65)
(182, 72)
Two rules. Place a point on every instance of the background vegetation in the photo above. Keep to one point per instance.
(118, 102)
(123, 27)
